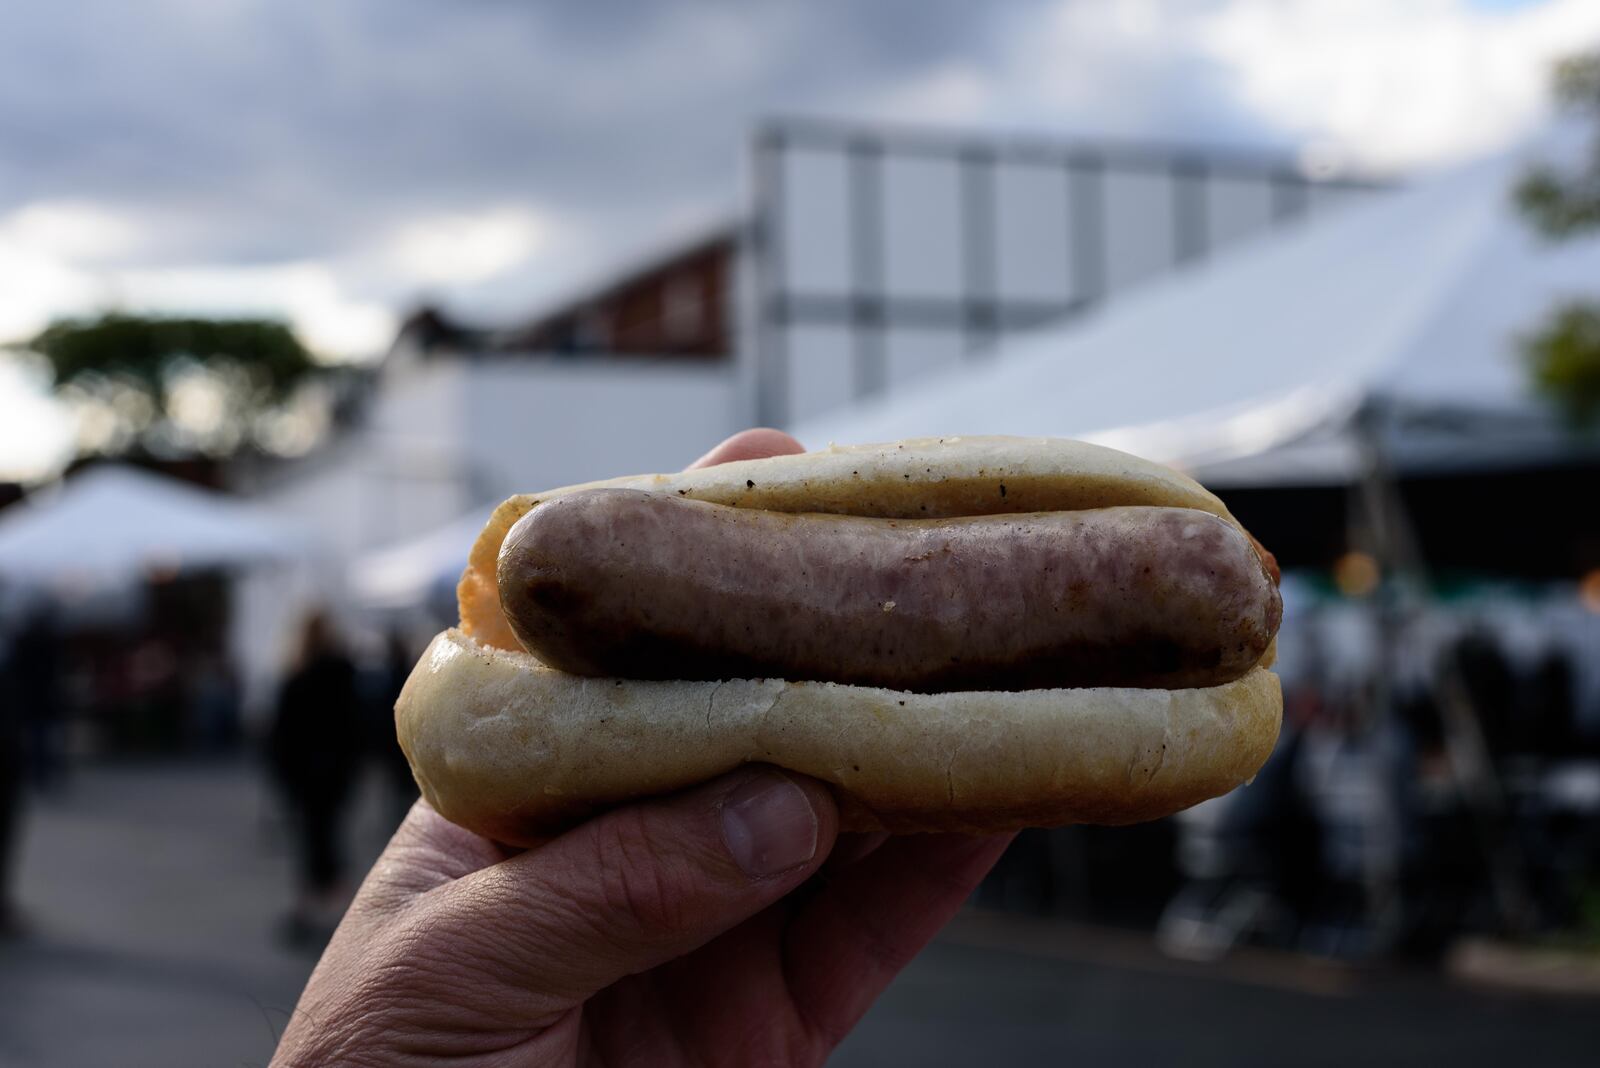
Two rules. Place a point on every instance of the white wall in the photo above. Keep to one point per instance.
(537, 422)
(446, 436)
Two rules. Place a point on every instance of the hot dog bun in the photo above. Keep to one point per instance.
(515, 750)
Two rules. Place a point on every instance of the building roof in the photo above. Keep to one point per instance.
(624, 313)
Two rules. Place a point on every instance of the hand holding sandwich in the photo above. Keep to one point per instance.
(662, 931)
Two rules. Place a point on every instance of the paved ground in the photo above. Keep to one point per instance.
(152, 895)
(1003, 990)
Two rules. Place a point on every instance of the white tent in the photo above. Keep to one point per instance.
(1250, 369)
(113, 526)
(117, 524)
(413, 571)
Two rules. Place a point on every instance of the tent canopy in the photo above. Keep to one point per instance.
(1249, 370)
(413, 572)
(116, 523)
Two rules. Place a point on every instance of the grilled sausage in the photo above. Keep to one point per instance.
(643, 585)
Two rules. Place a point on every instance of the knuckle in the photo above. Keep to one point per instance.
(638, 879)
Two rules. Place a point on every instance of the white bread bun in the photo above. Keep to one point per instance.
(516, 751)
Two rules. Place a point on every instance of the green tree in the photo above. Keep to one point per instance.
(1563, 355)
(172, 386)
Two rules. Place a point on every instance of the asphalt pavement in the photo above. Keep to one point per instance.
(152, 896)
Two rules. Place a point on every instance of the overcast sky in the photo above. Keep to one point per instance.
(333, 162)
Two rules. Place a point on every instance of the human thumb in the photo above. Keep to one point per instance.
(640, 885)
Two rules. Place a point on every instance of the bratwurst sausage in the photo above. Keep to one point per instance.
(645, 585)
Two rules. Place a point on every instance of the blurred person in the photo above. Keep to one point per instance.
(1349, 765)
(150, 712)
(1282, 818)
(36, 683)
(391, 759)
(1548, 724)
(1473, 826)
(661, 932)
(1252, 860)
(11, 780)
(315, 753)
(1554, 816)
(213, 703)
(1481, 666)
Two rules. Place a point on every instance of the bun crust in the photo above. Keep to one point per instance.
(518, 752)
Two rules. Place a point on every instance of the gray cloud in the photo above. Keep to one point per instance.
(263, 131)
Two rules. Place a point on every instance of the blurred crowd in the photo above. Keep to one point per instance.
(1438, 788)
(1372, 834)
(1450, 788)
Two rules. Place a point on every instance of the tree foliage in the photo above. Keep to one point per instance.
(175, 386)
(145, 350)
(1564, 355)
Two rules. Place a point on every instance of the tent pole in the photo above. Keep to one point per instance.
(1396, 547)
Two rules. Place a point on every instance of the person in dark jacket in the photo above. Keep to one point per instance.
(36, 685)
(11, 780)
(315, 753)
(391, 759)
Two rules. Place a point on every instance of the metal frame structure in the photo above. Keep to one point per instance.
(980, 312)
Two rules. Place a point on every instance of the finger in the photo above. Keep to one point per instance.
(426, 851)
(755, 444)
(867, 922)
(635, 887)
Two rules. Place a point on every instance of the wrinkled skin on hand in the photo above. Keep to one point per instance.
(728, 925)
